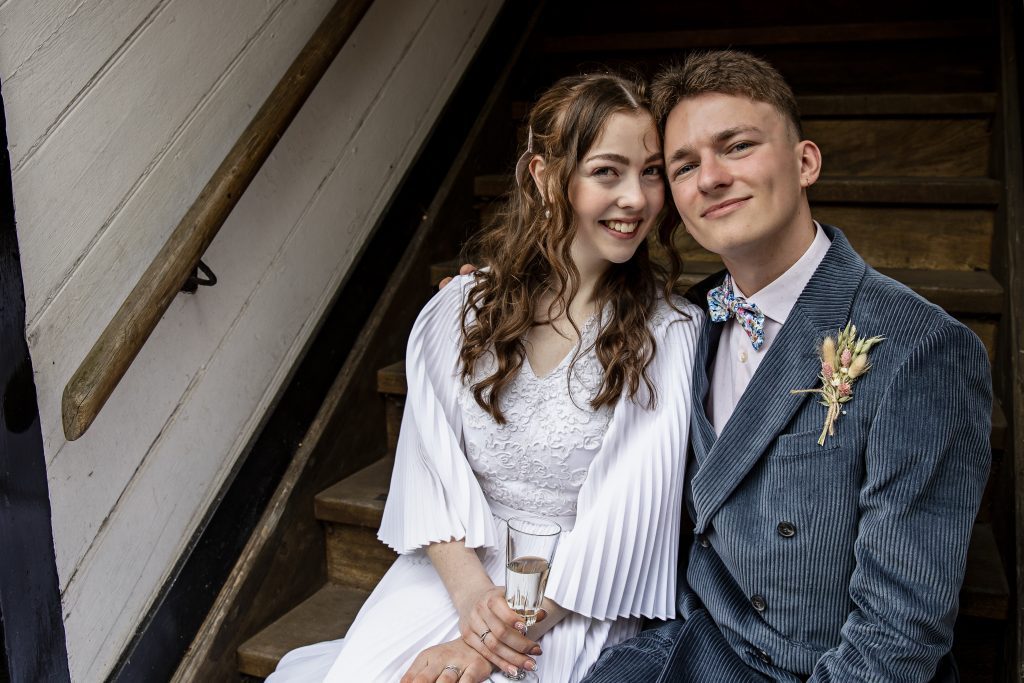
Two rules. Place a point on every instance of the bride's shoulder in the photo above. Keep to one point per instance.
(676, 310)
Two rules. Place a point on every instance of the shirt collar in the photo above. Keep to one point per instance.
(778, 297)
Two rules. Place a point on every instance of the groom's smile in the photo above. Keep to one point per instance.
(737, 173)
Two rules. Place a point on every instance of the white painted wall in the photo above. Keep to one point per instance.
(118, 111)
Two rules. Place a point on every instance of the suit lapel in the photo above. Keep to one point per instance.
(703, 432)
(767, 405)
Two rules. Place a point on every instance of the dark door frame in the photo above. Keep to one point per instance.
(30, 607)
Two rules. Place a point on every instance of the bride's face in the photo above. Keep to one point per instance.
(617, 191)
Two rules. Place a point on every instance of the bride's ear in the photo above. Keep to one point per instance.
(537, 168)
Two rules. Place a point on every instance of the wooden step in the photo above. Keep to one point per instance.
(847, 190)
(898, 104)
(938, 149)
(767, 35)
(351, 512)
(391, 380)
(359, 500)
(872, 104)
(985, 593)
(326, 615)
(906, 190)
(970, 292)
(899, 237)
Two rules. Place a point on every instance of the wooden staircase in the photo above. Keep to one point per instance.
(906, 113)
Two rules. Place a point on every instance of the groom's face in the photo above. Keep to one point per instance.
(734, 169)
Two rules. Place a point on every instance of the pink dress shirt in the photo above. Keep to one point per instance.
(736, 360)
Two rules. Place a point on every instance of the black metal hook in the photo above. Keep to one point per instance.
(194, 282)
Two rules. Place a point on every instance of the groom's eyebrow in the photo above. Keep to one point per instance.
(724, 135)
(718, 138)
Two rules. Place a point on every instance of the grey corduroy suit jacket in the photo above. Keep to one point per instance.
(840, 562)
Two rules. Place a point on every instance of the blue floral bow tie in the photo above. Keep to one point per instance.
(724, 304)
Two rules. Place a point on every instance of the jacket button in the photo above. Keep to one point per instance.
(786, 529)
(759, 603)
(703, 540)
(763, 656)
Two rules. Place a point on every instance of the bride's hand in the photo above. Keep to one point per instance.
(452, 662)
(491, 628)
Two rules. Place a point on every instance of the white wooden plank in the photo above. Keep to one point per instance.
(26, 25)
(289, 298)
(50, 52)
(68, 191)
(99, 465)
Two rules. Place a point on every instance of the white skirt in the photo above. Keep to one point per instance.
(410, 610)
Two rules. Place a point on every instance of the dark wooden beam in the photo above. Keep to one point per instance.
(33, 629)
(768, 35)
(974, 191)
(1010, 377)
(898, 104)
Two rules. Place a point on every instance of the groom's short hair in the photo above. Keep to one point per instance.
(729, 72)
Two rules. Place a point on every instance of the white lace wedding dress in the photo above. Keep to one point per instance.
(611, 478)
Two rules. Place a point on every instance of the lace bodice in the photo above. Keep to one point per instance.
(538, 460)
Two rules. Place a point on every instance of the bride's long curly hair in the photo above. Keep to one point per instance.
(527, 252)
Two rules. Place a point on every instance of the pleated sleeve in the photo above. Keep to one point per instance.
(434, 494)
(621, 558)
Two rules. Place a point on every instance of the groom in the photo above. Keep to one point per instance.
(819, 554)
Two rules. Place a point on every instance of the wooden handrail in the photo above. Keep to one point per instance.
(119, 344)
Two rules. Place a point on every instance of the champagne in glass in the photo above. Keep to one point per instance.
(525, 579)
(530, 549)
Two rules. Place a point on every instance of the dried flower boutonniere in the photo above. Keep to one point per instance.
(843, 360)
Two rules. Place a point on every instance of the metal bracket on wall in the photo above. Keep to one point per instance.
(194, 282)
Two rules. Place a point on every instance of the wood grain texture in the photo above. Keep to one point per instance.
(111, 137)
(283, 558)
(358, 500)
(325, 615)
(926, 146)
(53, 53)
(985, 593)
(767, 35)
(89, 477)
(1010, 378)
(235, 347)
(901, 237)
(905, 190)
(105, 364)
(391, 379)
(355, 557)
(897, 104)
(873, 189)
(874, 104)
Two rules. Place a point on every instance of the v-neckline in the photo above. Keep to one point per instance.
(584, 331)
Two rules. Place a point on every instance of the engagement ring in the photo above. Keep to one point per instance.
(484, 635)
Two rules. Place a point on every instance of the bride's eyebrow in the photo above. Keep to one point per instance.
(619, 159)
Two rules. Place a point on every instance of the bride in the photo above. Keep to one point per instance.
(554, 384)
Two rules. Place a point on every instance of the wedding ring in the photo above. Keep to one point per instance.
(484, 635)
(452, 667)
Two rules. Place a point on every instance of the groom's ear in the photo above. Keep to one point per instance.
(810, 162)
(537, 168)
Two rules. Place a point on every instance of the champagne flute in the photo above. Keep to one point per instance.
(530, 549)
